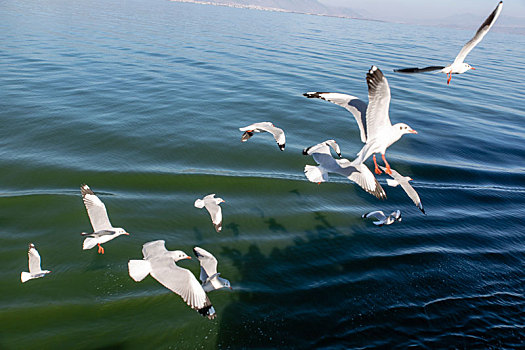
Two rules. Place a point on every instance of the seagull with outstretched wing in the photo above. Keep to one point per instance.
(278, 133)
(103, 231)
(377, 132)
(209, 276)
(459, 66)
(381, 218)
(160, 263)
(212, 206)
(35, 271)
(354, 171)
(399, 179)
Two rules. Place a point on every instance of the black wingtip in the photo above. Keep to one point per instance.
(207, 311)
(422, 210)
(195, 253)
(311, 94)
(281, 147)
(246, 136)
(305, 151)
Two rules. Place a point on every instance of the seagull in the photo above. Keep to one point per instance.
(354, 171)
(34, 265)
(399, 179)
(212, 206)
(161, 265)
(377, 132)
(278, 134)
(103, 231)
(382, 218)
(209, 276)
(459, 66)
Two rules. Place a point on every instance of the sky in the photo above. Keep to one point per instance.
(417, 10)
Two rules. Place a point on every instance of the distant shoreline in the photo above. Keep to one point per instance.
(508, 30)
(271, 9)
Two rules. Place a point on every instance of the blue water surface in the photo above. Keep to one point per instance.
(143, 101)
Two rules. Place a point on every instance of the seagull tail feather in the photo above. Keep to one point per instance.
(314, 173)
(25, 276)
(89, 243)
(199, 203)
(138, 269)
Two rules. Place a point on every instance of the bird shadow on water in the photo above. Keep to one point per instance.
(275, 290)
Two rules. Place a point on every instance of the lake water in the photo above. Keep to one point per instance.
(143, 101)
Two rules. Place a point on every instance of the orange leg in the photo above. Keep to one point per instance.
(388, 171)
(449, 75)
(377, 170)
(100, 249)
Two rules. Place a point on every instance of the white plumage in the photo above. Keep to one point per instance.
(103, 231)
(354, 171)
(459, 66)
(278, 134)
(212, 206)
(161, 265)
(377, 132)
(35, 271)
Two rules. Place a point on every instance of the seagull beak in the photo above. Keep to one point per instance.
(189, 257)
(472, 68)
(126, 233)
(230, 288)
(413, 131)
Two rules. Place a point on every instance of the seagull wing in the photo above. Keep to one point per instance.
(182, 282)
(215, 211)
(154, 249)
(34, 261)
(208, 263)
(361, 175)
(418, 70)
(348, 102)
(377, 214)
(257, 127)
(377, 119)
(407, 187)
(480, 33)
(96, 210)
(411, 192)
(278, 135)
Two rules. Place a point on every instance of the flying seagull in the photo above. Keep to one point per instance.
(354, 171)
(34, 265)
(103, 231)
(161, 265)
(278, 134)
(212, 206)
(377, 132)
(399, 179)
(382, 219)
(459, 66)
(209, 276)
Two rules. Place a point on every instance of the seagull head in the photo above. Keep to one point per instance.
(227, 284)
(179, 255)
(468, 66)
(403, 128)
(120, 231)
(219, 200)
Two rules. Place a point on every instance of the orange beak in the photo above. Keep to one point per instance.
(189, 257)
(472, 68)
(126, 233)
(413, 131)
